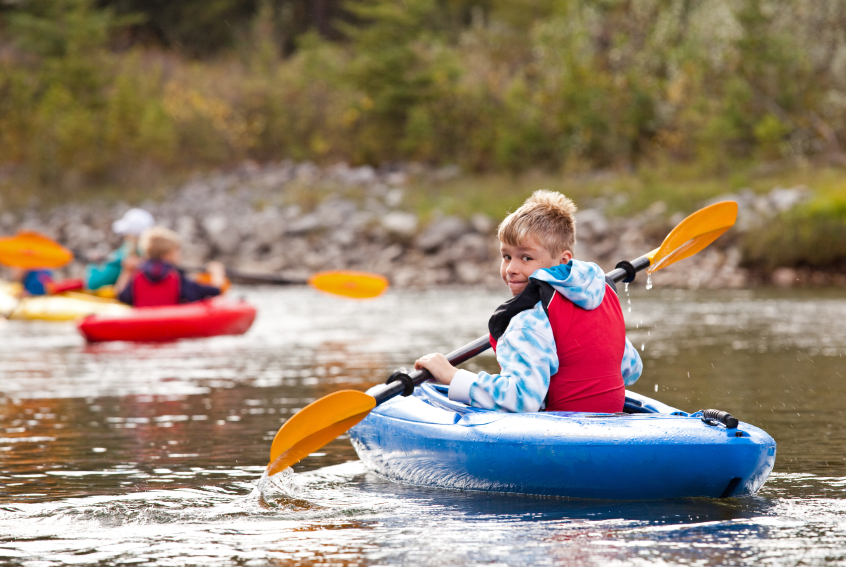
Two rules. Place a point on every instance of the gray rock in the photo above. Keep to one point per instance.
(7, 220)
(222, 234)
(186, 227)
(396, 178)
(195, 253)
(360, 220)
(393, 198)
(268, 226)
(785, 277)
(472, 247)
(446, 173)
(363, 175)
(591, 224)
(343, 236)
(391, 253)
(440, 233)
(469, 273)
(304, 225)
(400, 224)
(783, 200)
(335, 212)
(482, 223)
(657, 208)
(307, 172)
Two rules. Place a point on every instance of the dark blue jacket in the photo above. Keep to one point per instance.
(189, 290)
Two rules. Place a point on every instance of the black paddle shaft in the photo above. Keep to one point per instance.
(403, 384)
(626, 271)
(254, 278)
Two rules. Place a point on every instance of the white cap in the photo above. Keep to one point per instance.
(134, 222)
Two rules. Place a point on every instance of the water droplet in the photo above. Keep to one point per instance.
(648, 281)
(642, 347)
(656, 387)
(626, 287)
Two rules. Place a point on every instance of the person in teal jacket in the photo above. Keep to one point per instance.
(131, 225)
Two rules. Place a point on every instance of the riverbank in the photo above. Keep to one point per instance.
(297, 218)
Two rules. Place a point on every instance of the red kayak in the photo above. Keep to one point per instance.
(157, 324)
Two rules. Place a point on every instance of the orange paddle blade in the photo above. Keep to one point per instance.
(316, 425)
(357, 285)
(206, 279)
(30, 250)
(693, 234)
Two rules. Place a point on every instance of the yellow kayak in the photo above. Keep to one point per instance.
(61, 307)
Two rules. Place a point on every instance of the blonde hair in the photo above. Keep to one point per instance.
(548, 217)
(158, 241)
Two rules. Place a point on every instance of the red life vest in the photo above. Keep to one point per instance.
(147, 293)
(590, 346)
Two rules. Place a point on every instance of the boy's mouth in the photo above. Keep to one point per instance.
(514, 285)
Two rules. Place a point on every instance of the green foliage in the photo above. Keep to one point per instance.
(810, 236)
(493, 85)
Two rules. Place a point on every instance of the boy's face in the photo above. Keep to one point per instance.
(520, 262)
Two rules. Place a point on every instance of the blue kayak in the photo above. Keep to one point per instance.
(650, 451)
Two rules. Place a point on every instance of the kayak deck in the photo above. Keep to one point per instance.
(650, 451)
(67, 306)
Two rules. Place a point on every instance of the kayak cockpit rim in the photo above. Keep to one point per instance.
(437, 395)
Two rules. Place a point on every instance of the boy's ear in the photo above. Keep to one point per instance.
(565, 257)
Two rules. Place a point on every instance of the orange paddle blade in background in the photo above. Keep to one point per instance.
(205, 279)
(30, 250)
(357, 285)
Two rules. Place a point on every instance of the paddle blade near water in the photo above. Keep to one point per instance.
(316, 425)
(356, 285)
(31, 250)
(693, 234)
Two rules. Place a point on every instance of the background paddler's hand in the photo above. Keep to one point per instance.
(217, 273)
(438, 366)
(130, 263)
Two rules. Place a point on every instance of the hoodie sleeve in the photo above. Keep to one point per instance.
(527, 357)
(191, 291)
(126, 295)
(632, 366)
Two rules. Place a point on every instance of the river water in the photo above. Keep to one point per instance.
(152, 454)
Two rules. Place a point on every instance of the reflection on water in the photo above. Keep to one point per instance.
(153, 454)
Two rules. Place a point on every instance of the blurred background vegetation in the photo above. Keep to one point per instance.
(684, 99)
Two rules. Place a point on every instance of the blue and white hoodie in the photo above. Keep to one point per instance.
(526, 351)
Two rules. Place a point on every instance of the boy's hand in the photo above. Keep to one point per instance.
(217, 274)
(438, 366)
(130, 262)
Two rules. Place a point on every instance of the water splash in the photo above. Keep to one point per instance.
(648, 282)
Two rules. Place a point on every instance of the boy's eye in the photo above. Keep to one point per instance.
(527, 258)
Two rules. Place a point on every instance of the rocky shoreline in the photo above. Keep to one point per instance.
(254, 220)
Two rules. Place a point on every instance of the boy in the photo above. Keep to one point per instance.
(130, 226)
(560, 341)
(158, 281)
